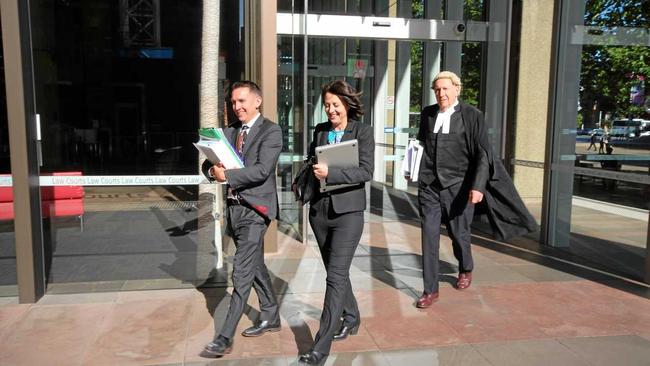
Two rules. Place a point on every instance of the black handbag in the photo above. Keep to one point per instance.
(304, 183)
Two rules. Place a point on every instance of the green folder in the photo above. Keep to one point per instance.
(211, 133)
(216, 134)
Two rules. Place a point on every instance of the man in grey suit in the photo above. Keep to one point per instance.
(251, 205)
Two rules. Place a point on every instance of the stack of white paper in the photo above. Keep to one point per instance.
(214, 145)
(412, 159)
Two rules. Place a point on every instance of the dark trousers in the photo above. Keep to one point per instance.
(451, 206)
(249, 270)
(338, 236)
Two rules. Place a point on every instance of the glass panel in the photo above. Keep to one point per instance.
(392, 82)
(361, 7)
(291, 119)
(346, 59)
(474, 10)
(606, 139)
(8, 279)
(119, 101)
(355, 7)
(291, 6)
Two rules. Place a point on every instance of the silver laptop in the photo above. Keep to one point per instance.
(341, 155)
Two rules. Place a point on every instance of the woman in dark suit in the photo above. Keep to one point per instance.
(336, 217)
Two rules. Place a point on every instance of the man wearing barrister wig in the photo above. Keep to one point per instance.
(457, 172)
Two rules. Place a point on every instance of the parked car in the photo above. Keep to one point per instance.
(597, 131)
(629, 128)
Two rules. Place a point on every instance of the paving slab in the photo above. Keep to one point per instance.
(629, 350)
(530, 353)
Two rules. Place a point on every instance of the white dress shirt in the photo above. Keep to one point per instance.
(231, 193)
(443, 119)
(251, 122)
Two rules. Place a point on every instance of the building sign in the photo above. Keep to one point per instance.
(390, 102)
(113, 180)
(357, 67)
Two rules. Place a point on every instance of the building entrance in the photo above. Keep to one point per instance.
(390, 55)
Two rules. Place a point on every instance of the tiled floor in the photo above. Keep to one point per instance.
(524, 308)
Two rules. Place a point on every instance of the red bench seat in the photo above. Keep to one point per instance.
(56, 201)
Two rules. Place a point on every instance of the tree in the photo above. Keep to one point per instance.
(609, 72)
(210, 195)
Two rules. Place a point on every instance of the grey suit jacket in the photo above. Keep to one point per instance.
(255, 183)
(351, 198)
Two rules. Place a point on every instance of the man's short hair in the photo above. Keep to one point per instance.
(447, 75)
(247, 84)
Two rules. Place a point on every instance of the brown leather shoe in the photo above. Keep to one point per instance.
(427, 300)
(464, 280)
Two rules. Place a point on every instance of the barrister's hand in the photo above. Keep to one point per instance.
(218, 172)
(320, 171)
(408, 178)
(475, 196)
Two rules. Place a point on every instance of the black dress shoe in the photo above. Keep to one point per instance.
(344, 331)
(312, 358)
(218, 347)
(260, 328)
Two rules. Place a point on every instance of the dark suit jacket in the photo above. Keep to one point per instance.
(352, 198)
(255, 183)
(454, 160)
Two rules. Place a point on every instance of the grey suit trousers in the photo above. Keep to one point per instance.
(249, 270)
(338, 236)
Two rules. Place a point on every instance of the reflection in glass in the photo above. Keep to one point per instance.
(472, 10)
(290, 118)
(604, 133)
(120, 97)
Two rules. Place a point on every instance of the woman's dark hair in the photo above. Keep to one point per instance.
(348, 96)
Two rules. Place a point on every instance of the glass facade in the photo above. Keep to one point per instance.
(601, 163)
(117, 92)
(116, 89)
(394, 76)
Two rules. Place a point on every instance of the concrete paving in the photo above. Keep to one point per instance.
(525, 307)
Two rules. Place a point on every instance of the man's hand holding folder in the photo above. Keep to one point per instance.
(412, 160)
(215, 146)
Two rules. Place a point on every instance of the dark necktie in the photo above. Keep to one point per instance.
(241, 138)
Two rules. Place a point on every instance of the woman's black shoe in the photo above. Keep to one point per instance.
(312, 358)
(345, 331)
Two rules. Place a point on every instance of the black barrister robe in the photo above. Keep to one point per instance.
(506, 212)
